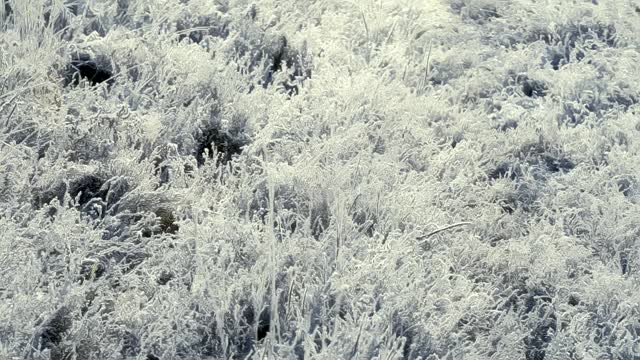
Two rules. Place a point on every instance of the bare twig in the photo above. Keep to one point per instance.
(427, 236)
(11, 112)
(426, 73)
(366, 27)
(406, 66)
(354, 351)
(393, 28)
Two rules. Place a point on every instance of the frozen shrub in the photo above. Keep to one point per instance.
(285, 55)
(87, 186)
(529, 87)
(534, 307)
(5, 10)
(112, 258)
(378, 144)
(260, 322)
(417, 343)
(572, 41)
(537, 295)
(627, 186)
(165, 277)
(52, 332)
(574, 300)
(58, 19)
(289, 206)
(624, 262)
(553, 164)
(456, 139)
(541, 334)
(122, 10)
(534, 88)
(603, 100)
(603, 330)
(505, 169)
(246, 323)
(91, 19)
(96, 194)
(201, 27)
(325, 310)
(572, 114)
(509, 124)
(162, 267)
(537, 159)
(556, 57)
(126, 257)
(167, 164)
(475, 10)
(241, 331)
(29, 133)
(224, 143)
(83, 66)
(93, 268)
(164, 222)
(621, 96)
(268, 55)
(167, 221)
(524, 196)
(366, 222)
(320, 218)
(130, 345)
(210, 343)
(544, 159)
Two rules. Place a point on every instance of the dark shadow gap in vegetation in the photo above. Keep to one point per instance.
(572, 41)
(83, 67)
(417, 344)
(217, 141)
(534, 88)
(131, 345)
(627, 186)
(244, 325)
(88, 191)
(509, 125)
(294, 211)
(532, 304)
(52, 332)
(528, 87)
(291, 58)
(198, 29)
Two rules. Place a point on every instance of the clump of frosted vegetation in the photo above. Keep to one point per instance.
(397, 179)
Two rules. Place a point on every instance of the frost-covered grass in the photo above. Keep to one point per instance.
(373, 179)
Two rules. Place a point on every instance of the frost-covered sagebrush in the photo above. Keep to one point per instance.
(393, 179)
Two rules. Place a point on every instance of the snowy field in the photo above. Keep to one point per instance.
(320, 179)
